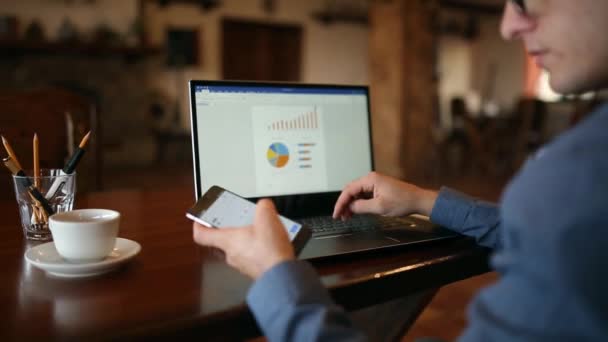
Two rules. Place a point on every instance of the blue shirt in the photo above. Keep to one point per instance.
(550, 239)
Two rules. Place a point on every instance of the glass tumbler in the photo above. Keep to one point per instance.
(40, 197)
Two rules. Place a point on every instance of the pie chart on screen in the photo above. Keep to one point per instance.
(277, 155)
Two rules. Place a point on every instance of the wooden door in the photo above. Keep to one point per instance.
(261, 51)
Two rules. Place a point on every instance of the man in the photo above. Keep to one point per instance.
(549, 231)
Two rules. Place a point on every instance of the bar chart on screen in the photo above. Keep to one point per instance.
(289, 148)
(305, 121)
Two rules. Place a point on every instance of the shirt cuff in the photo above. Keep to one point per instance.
(451, 208)
(288, 284)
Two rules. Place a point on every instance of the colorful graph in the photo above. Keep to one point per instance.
(303, 121)
(277, 155)
(288, 140)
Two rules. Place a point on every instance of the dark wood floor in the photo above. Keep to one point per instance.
(444, 318)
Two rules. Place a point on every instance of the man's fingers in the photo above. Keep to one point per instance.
(211, 237)
(265, 205)
(351, 191)
(347, 195)
(265, 212)
(365, 206)
(266, 215)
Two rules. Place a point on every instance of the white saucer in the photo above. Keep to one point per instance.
(45, 257)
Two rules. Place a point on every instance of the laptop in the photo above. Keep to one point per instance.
(298, 144)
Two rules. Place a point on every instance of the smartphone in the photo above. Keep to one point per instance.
(220, 208)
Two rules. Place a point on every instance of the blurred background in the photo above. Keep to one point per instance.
(452, 103)
(449, 97)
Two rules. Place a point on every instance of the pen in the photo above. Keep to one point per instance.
(69, 167)
(12, 166)
(10, 152)
(75, 159)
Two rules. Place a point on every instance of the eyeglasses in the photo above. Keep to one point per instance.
(521, 6)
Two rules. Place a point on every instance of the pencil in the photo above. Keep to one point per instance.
(10, 152)
(36, 162)
(10, 164)
(75, 158)
(84, 140)
(70, 166)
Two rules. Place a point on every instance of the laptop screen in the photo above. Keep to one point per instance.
(261, 140)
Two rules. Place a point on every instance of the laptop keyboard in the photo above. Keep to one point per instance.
(326, 225)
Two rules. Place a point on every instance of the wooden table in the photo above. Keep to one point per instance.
(175, 288)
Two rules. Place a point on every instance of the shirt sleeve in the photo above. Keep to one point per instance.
(468, 216)
(289, 303)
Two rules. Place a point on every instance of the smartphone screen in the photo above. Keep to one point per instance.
(222, 209)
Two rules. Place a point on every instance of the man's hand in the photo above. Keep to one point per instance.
(383, 195)
(251, 249)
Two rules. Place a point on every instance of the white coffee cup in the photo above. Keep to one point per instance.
(85, 235)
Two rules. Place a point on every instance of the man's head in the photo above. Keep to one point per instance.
(568, 38)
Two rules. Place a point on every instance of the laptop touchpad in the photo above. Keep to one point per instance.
(345, 243)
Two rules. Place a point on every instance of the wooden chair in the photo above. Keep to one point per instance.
(474, 147)
(60, 118)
